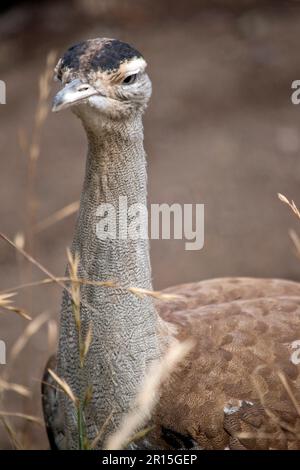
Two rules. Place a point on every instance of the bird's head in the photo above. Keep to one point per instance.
(103, 77)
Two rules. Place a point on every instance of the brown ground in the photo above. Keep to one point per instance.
(221, 130)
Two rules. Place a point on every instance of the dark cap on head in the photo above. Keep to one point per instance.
(101, 54)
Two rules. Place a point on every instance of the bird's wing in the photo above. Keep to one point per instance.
(240, 385)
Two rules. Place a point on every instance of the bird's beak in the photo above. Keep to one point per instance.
(72, 93)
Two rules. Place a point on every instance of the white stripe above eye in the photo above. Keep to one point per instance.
(133, 66)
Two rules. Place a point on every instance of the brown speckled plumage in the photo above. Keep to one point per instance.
(244, 329)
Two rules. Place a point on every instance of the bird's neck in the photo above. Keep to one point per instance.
(124, 325)
(115, 181)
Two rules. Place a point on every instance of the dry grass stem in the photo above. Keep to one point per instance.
(273, 417)
(289, 391)
(19, 240)
(140, 292)
(30, 145)
(52, 334)
(140, 434)
(31, 419)
(83, 346)
(5, 304)
(148, 395)
(6, 386)
(36, 263)
(64, 386)
(102, 431)
(33, 147)
(32, 260)
(296, 241)
(29, 331)
(291, 204)
(20, 389)
(23, 140)
(12, 434)
(87, 342)
(18, 311)
(88, 395)
(5, 298)
(57, 217)
(261, 435)
(42, 268)
(62, 279)
(75, 287)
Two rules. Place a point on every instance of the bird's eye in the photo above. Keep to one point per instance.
(83, 88)
(130, 79)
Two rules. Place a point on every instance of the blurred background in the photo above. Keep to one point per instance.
(220, 130)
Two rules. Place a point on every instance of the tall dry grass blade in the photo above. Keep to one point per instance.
(75, 286)
(102, 431)
(261, 435)
(57, 217)
(291, 204)
(23, 140)
(23, 339)
(87, 343)
(19, 240)
(64, 279)
(33, 155)
(148, 395)
(83, 442)
(140, 434)
(30, 418)
(296, 241)
(15, 442)
(44, 270)
(18, 311)
(138, 291)
(73, 265)
(273, 417)
(64, 386)
(5, 304)
(5, 298)
(289, 391)
(20, 389)
(52, 334)
(32, 260)
(33, 146)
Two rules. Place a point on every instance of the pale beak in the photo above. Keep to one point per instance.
(72, 93)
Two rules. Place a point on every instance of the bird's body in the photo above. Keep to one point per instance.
(244, 330)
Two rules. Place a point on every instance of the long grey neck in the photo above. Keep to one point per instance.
(115, 177)
(123, 325)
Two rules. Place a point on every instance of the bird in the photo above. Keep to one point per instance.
(239, 385)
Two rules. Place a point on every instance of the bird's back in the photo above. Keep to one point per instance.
(240, 385)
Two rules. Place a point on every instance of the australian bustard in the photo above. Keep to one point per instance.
(244, 329)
